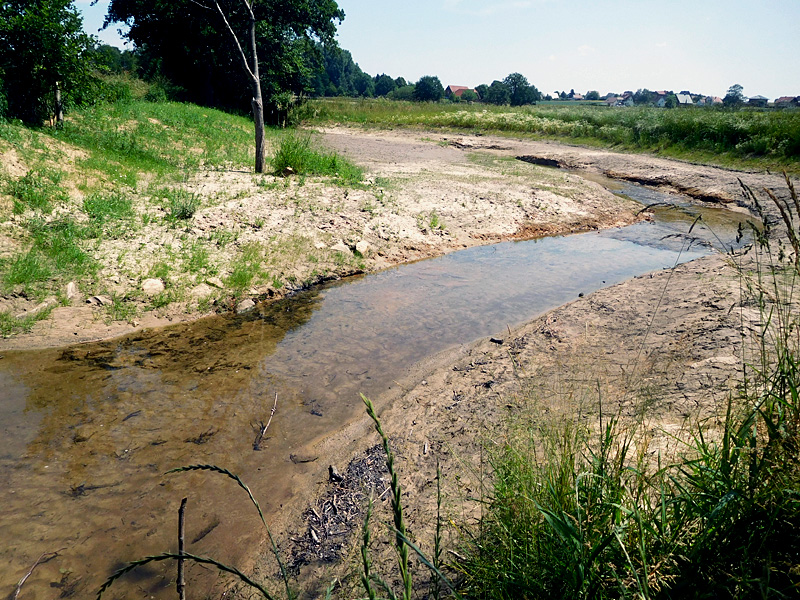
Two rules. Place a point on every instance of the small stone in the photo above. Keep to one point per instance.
(215, 282)
(245, 305)
(72, 291)
(362, 247)
(99, 301)
(320, 245)
(152, 287)
(333, 474)
(495, 340)
(201, 291)
(341, 247)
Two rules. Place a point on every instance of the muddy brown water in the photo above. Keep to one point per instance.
(89, 431)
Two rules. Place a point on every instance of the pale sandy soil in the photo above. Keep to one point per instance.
(426, 194)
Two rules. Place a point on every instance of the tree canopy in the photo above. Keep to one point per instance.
(498, 93)
(384, 84)
(520, 91)
(734, 97)
(43, 48)
(428, 89)
(188, 45)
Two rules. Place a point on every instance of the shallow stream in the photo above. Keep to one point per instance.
(89, 431)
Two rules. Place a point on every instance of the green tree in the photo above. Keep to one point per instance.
(644, 96)
(384, 84)
(593, 95)
(114, 60)
(469, 96)
(405, 92)
(734, 97)
(337, 73)
(498, 93)
(428, 89)
(482, 90)
(671, 101)
(400, 82)
(189, 43)
(364, 85)
(521, 92)
(45, 58)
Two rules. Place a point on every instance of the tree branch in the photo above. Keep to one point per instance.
(236, 39)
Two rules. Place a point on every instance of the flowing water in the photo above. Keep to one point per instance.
(89, 431)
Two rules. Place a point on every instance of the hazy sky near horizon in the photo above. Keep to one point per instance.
(704, 46)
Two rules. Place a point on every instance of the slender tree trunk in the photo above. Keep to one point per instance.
(258, 102)
(59, 107)
(255, 79)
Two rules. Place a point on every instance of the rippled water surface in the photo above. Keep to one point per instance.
(88, 431)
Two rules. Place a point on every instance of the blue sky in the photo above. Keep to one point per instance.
(606, 45)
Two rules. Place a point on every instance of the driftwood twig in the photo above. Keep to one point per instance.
(181, 583)
(43, 558)
(262, 429)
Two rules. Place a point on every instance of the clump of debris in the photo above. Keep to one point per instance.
(331, 520)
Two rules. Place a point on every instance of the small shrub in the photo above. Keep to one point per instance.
(295, 155)
(180, 205)
(246, 268)
(103, 207)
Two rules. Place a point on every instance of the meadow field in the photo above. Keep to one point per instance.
(743, 139)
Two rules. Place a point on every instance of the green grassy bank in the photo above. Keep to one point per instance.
(112, 194)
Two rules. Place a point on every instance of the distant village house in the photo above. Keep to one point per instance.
(787, 102)
(458, 90)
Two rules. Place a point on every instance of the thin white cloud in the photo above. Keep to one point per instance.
(585, 50)
(661, 45)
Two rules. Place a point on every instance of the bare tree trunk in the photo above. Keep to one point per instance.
(258, 102)
(255, 80)
(59, 107)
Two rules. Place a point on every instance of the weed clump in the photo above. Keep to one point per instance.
(296, 156)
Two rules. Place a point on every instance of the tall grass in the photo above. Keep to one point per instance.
(581, 511)
(774, 135)
(295, 154)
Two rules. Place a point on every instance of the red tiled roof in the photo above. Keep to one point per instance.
(456, 90)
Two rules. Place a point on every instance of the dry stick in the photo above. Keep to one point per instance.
(181, 584)
(272, 413)
(40, 560)
(263, 430)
